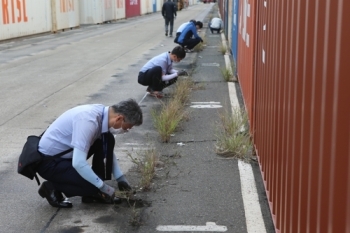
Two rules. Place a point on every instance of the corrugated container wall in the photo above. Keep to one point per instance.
(221, 4)
(229, 22)
(302, 112)
(133, 8)
(159, 5)
(120, 9)
(234, 43)
(146, 6)
(246, 53)
(23, 17)
(225, 17)
(91, 12)
(109, 10)
(65, 14)
(154, 5)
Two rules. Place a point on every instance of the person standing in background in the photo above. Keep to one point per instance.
(169, 14)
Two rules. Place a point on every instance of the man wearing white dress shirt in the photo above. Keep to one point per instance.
(215, 25)
(88, 130)
(158, 73)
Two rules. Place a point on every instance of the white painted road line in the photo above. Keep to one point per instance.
(253, 215)
(206, 106)
(210, 226)
(211, 102)
(211, 64)
(233, 96)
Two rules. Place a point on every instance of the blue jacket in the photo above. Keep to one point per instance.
(187, 33)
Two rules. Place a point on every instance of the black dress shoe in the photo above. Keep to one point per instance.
(54, 197)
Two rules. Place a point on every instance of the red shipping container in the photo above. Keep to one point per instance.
(246, 49)
(133, 8)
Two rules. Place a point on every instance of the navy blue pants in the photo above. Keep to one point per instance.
(67, 180)
(153, 79)
(191, 43)
(167, 22)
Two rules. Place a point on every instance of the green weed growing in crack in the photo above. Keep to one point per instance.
(168, 118)
(182, 90)
(135, 219)
(234, 139)
(210, 16)
(222, 49)
(227, 74)
(146, 166)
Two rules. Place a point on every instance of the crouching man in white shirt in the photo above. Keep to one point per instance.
(88, 130)
(215, 25)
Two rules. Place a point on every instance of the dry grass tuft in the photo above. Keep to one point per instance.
(182, 90)
(146, 167)
(222, 49)
(167, 119)
(234, 139)
(227, 74)
(172, 112)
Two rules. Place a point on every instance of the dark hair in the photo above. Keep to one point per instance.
(130, 110)
(199, 23)
(179, 52)
(193, 21)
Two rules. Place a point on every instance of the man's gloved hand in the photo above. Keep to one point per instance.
(182, 73)
(107, 192)
(123, 184)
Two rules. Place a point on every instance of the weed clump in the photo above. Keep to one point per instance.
(167, 119)
(146, 167)
(222, 49)
(234, 139)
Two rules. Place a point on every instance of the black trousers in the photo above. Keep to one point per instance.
(177, 37)
(191, 43)
(167, 22)
(67, 180)
(153, 79)
(215, 29)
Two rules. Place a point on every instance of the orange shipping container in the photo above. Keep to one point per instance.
(301, 113)
(245, 57)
